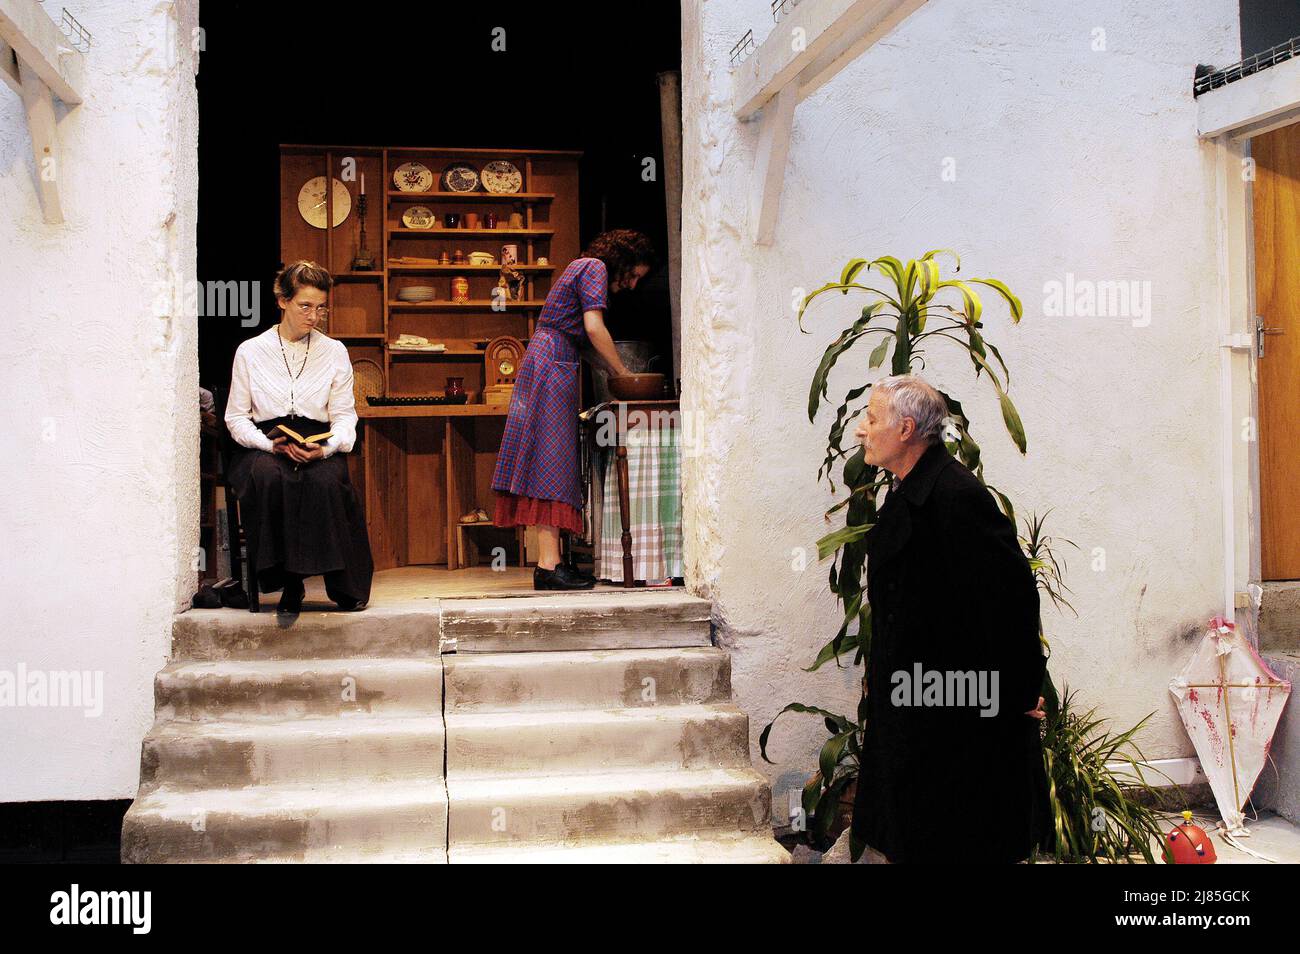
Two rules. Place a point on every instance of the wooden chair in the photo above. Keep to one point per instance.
(240, 567)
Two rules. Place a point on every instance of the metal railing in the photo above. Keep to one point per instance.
(1208, 78)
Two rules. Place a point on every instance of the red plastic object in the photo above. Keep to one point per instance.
(1190, 845)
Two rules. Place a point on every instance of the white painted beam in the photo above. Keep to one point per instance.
(819, 36)
(769, 166)
(42, 47)
(45, 146)
(1266, 100)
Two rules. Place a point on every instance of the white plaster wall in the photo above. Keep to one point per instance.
(1068, 159)
(98, 400)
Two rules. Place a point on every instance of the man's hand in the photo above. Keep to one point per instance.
(1037, 713)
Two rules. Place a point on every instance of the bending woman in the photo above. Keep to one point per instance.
(299, 510)
(537, 479)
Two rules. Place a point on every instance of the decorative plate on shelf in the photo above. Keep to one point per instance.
(311, 202)
(418, 217)
(460, 178)
(502, 178)
(413, 177)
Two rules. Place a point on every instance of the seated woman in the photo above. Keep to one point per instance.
(297, 505)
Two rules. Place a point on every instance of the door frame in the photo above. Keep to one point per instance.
(1228, 118)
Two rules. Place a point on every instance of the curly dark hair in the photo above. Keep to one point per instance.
(622, 250)
(301, 273)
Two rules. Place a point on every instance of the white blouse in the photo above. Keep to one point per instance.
(260, 388)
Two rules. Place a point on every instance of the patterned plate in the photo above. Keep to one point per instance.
(413, 177)
(502, 177)
(460, 178)
(418, 217)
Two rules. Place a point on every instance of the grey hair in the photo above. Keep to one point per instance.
(911, 396)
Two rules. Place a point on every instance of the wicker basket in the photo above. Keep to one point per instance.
(367, 380)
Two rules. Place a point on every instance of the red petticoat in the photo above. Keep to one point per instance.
(516, 510)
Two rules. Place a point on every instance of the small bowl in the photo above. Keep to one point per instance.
(637, 387)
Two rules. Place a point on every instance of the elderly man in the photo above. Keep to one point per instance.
(951, 768)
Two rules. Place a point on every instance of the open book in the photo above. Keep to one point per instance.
(281, 431)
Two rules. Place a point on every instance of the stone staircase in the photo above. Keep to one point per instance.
(575, 728)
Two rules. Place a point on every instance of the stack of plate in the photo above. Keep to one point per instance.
(416, 293)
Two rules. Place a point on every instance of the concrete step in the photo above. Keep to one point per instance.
(336, 821)
(721, 849)
(580, 810)
(497, 744)
(271, 689)
(237, 634)
(361, 749)
(603, 679)
(596, 619)
(1279, 617)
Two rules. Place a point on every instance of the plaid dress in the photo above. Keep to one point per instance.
(537, 476)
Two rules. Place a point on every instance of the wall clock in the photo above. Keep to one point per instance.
(311, 202)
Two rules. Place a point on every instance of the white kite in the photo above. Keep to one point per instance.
(1230, 702)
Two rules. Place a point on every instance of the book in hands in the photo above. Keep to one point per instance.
(294, 437)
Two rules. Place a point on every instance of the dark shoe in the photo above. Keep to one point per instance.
(232, 594)
(561, 578)
(291, 598)
(581, 574)
(206, 598)
(349, 605)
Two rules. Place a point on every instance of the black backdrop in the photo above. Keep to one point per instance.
(571, 77)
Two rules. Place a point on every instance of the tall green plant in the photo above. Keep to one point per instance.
(908, 315)
(917, 308)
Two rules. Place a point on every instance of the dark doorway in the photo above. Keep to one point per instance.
(570, 77)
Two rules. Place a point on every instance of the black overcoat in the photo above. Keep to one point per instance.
(951, 592)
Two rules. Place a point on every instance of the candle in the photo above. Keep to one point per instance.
(363, 183)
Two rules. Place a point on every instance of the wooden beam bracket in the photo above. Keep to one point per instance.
(809, 45)
(37, 62)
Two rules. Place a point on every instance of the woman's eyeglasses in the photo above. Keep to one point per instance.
(321, 310)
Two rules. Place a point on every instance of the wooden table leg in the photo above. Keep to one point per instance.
(624, 513)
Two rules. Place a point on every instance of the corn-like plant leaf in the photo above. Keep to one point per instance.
(973, 306)
(1013, 302)
(1011, 417)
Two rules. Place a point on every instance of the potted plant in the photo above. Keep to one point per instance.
(916, 308)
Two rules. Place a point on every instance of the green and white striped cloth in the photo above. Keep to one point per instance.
(654, 470)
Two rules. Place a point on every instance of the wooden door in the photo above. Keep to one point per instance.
(1276, 204)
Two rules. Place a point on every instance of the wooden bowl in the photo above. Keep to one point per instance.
(637, 387)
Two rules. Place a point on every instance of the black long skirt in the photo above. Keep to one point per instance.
(303, 519)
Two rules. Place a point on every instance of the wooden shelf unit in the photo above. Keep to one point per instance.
(420, 467)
